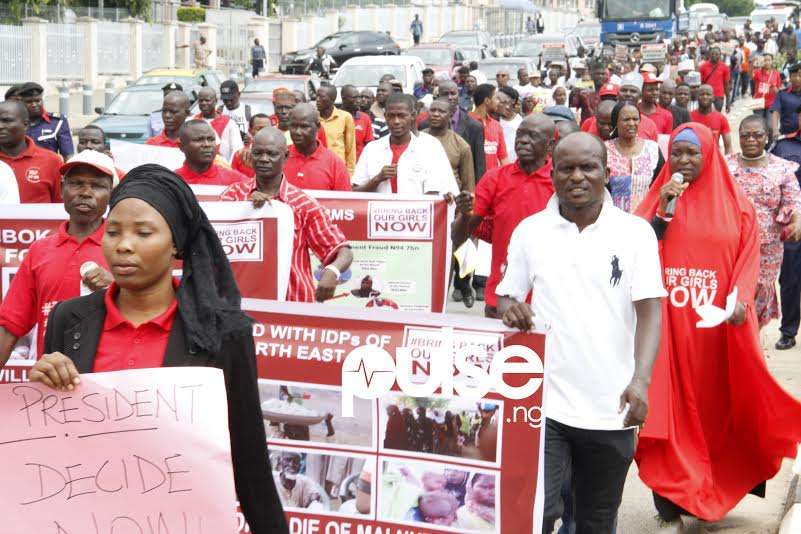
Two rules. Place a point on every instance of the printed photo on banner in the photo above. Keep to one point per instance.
(323, 483)
(385, 274)
(467, 429)
(24, 350)
(313, 413)
(443, 496)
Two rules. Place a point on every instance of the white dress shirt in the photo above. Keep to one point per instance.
(422, 168)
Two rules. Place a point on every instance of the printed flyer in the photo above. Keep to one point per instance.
(394, 421)
(257, 242)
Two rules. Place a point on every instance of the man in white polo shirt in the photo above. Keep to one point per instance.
(404, 161)
(596, 279)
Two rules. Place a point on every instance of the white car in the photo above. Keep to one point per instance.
(365, 72)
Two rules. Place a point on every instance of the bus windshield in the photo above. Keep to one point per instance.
(636, 9)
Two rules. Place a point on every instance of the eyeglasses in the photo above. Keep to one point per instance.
(752, 135)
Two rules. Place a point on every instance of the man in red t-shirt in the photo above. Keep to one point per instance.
(649, 105)
(507, 195)
(35, 168)
(494, 144)
(198, 142)
(310, 165)
(631, 92)
(243, 160)
(714, 120)
(361, 120)
(174, 112)
(716, 74)
(52, 269)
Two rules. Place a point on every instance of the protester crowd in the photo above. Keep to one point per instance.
(610, 193)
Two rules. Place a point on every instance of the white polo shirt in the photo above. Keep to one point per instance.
(585, 285)
(422, 168)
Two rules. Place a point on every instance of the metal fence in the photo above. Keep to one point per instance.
(233, 41)
(64, 51)
(14, 41)
(113, 48)
(153, 40)
(274, 47)
(299, 8)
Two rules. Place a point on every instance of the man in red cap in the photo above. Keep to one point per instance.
(69, 262)
(607, 92)
(649, 105)
(35, 168)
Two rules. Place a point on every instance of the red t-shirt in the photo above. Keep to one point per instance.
(397, 152)
(321, 137)
(494, 144)
(37, 173)
(662, 118)
(715, 75)
(49, 273)
(125, 346)
(320, 170)
(714, 120)
(214, 175)
(363, 127)
(162, 140)
(507, 195)
(766, 85)
(238, 164)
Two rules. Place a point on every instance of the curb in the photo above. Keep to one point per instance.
(791, 522)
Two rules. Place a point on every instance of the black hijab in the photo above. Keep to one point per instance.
(208, 297)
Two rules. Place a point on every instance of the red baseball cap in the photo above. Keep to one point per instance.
(647, 77)
(609, 89)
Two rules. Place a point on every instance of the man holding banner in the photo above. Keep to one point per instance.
(66, 264)
(314, 230)
(582, 248)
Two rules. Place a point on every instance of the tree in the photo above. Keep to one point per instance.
(34, 7)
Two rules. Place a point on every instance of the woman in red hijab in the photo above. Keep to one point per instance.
(719, 424)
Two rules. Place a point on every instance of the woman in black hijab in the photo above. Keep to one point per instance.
(154, 220)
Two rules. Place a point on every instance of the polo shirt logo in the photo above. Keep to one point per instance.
(617, 273)
(32, 175)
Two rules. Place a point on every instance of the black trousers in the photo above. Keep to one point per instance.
(597, 462)
(790, 286)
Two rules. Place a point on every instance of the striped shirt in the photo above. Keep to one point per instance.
(314, 232)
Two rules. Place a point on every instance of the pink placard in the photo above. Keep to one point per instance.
(135, 451)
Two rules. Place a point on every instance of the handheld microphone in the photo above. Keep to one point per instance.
(670, 210)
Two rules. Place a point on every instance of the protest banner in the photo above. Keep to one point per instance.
(553, 52)
(257, 243)
(454, 446)
(653, 53)
(621, 52)
(401, 248)
(129, 155)
(145, 450)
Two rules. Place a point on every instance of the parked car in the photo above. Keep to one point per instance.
(127, 116)
(490, 67)
(589, 32)
(531, 47)
(341, 47)
(473, 52)
(190, 79)
(439, 56)
(364, 72)
(294, 82)
(470, 38)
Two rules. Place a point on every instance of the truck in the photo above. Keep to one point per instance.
(636, 22)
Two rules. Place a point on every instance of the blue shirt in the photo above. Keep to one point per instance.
(786, 103)
(790, 149)
(53, 133)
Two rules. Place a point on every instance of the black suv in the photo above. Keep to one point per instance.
(341, 46)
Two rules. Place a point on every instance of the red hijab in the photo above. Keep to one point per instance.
(719, 424)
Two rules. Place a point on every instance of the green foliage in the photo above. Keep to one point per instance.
(733, 8)
(191, 14)
(15, 9)
(138, 8)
